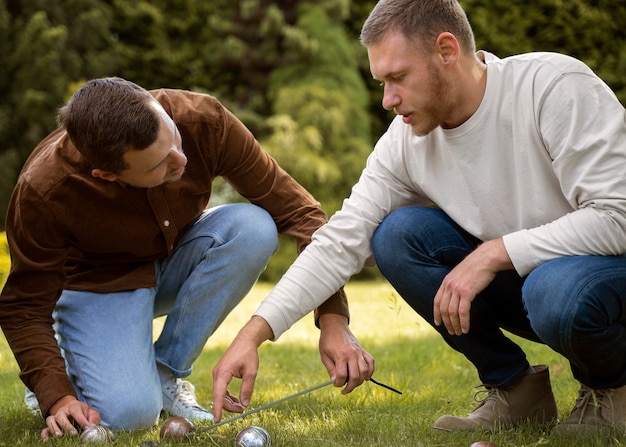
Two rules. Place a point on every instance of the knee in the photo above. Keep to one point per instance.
(131, 411)
(384, 241)
(401, 233)
(553, 306)
(259, 225)
(256, 229)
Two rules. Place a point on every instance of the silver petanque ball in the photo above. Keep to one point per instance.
(253, 436)
(96, 434)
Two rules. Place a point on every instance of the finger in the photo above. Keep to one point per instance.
(46, 434)
(438, 319)
(220, 385)
(93, 417)
(247, 387)
(53, 427)
(444, 312)
(232, 404)
(464, 315)
(341, 374)
(371, 366)
(358, 374)
(83, 415)
(328, 362)
(454, 324)
(65, 423)
(353, 379)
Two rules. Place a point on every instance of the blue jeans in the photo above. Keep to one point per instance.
(107, 339)
(576, 305)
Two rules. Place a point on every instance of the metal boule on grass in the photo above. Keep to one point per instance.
(176, 428)
(253, 436)
(96, 434)
(483, 444)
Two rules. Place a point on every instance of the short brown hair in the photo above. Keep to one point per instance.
(420, 20)
(107, 117)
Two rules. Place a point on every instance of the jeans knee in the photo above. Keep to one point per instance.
(565, 310)
(256, 229)
(384, 242)
(242, 229)
(546, 318)
(404, 234)
(379, 245)
(131, 412)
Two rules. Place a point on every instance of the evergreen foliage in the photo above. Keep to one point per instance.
(590, 30)
(292, 70)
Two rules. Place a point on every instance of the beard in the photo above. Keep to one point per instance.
(438, 105)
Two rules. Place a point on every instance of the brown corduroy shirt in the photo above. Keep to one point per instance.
(69, 230)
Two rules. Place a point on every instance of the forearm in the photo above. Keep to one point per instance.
(494, 255)
(587, 231)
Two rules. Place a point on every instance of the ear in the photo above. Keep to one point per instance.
(104, 175)
(447, 48)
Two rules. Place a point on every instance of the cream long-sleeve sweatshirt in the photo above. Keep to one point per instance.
(541, 163)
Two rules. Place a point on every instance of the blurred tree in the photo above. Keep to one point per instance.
(590, 30)
(320, 126)
(379, 117)
(292, 70)
(41, 54)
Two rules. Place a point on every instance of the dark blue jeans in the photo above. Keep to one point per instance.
(576, 305)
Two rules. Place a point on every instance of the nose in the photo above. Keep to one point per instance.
(178, 158)
(390, 99)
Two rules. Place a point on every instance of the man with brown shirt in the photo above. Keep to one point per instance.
(108, 228)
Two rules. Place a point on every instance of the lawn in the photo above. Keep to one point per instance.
(409, 356)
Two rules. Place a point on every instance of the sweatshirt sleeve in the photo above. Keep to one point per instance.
(341, 248)
(583, 126)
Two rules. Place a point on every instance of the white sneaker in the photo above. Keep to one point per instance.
(31, 402)
(179, 399)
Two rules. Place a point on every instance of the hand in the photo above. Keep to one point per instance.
(65, 415)
(453, 300)
(241, 360)
(342, 355)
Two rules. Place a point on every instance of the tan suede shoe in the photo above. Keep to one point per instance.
(528, 399)
(595, 411)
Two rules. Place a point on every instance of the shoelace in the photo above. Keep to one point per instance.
(591, 398)
(185, 395)
(492, 393)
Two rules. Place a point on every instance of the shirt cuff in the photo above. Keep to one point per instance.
(518, 249)
(336, 304)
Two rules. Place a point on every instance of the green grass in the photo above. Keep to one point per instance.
(409, 356)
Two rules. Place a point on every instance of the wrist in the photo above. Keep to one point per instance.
(494, 252)
(330, 320)
(257, 330)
